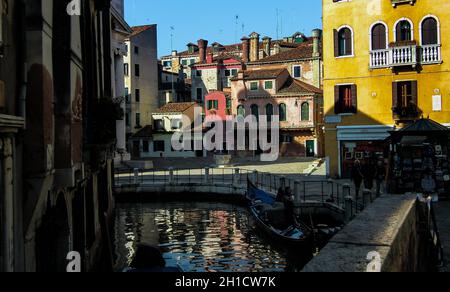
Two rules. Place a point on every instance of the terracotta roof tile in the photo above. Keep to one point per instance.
(261, 74)
(302, 51)
(297, 86)
(178, 107)
(140, 29)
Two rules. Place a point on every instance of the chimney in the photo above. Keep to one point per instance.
(266, 46)
(245, 49)
(202, 46)
(174, 53)
(254, 47)
(210, 58)
(317, 35)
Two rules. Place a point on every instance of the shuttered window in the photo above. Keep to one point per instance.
(379, 41)
(343, 43)
(404, 94)
(305, 112)
(346, 99)
(282, 112)
(430, 32)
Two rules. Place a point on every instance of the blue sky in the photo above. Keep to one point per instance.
(215, 21)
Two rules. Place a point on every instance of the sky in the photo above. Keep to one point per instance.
(224, 22)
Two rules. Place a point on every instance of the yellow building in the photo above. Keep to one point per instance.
(387, 63)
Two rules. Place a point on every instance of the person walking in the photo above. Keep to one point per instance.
(357, 176)
(368, 172)
(380, 177)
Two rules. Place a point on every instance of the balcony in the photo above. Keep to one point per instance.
(409, 55)
(405, 113)
(399, 2)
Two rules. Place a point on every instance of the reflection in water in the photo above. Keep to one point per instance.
(198, 237)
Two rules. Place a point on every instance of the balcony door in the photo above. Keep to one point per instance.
(403, 31)
(379, 39)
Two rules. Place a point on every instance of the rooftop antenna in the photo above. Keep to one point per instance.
(236, 28)
(278, 24)
(172, 30)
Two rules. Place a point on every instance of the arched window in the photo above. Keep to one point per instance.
(269, 112)
(305, 111)
(282, 112)
(255, 111)
(345, 42)
(430, 34)
(403, 31)
(379, 37)
(241, 111)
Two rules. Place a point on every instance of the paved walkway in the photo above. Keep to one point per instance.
(443, 221)
(288, 166)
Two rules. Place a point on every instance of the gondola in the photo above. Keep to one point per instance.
(261, 205)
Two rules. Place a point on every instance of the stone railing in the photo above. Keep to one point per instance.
(410, 55)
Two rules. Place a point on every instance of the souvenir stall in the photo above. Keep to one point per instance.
(420, 147)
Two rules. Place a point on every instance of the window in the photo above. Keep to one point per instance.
(126, 69)
(137, 71)
(159, 146)
(228, 103)
(158, 125)
(282, 112)
(227, 73)
(241, 111)
(253, 86)
(199, 94)
(198, 73)
(176, 124)
(138, 120)
(269, 112)
(137, 95)
(305, 112)
(403, 31)
(127, 119)
(286, 138)
(213, 105)
(167, 64)
(297, 71)
(404, 94)
(343, 42)
(255, 111)
(268, 85)
(184, 62)
(192, 61)
(379, 37)
(136, 50)
(145, 146)
(127, 95)
(430, 33)
(234, 72)
(345, 99)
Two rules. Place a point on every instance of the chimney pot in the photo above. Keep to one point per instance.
(202, 47)
(245, 49)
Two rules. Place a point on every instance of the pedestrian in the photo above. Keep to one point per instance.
(357, 176)
(368, 172)
(428, 183)
(289, 207)
(380, 177)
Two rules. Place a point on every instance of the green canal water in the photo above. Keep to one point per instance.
(201, 237)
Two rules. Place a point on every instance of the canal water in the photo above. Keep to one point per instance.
(201, 237)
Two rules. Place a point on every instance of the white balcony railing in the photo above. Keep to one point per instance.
(379, 59)
(431, 54)
(405, 56)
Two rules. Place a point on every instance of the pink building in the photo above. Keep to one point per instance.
(218, 104)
